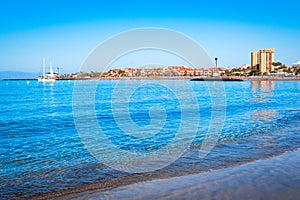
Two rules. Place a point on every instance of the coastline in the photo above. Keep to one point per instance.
(272, 178)
(263, 78)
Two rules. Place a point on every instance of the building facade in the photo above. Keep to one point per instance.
(263, 59)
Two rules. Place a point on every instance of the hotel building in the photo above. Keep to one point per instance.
(262, 60)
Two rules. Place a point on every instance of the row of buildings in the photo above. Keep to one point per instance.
(169, 71)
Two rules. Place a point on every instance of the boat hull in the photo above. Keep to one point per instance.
(50, 80)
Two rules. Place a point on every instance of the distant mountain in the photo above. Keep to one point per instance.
(16, 75)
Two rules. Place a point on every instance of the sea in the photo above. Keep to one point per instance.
(71, 136)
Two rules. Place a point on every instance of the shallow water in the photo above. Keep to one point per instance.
(274, 178)
(41, 150)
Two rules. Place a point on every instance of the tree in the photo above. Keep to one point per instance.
(276, 64)
(254, 72)
(228, 73)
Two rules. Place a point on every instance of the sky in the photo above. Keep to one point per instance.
(65, 32)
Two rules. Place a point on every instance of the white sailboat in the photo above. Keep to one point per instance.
(47, 77)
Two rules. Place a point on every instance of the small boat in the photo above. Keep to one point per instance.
(44, 79)
(48, 77)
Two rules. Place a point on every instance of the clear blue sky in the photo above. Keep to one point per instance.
(67, 31)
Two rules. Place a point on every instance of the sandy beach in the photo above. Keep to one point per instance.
(274, 178)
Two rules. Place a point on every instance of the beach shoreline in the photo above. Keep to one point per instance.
(272, 178)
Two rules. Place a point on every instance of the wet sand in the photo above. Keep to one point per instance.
(274, 178)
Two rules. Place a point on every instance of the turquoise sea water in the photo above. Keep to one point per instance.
(41, 151)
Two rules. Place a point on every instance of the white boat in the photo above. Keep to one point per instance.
(48, 77)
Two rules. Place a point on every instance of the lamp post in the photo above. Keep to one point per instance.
(216, 69)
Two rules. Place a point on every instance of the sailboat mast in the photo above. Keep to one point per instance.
(51, 70)
(43, 63)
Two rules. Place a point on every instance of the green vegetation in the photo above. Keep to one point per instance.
(228, 73)
(254, 72)
(276, 64)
